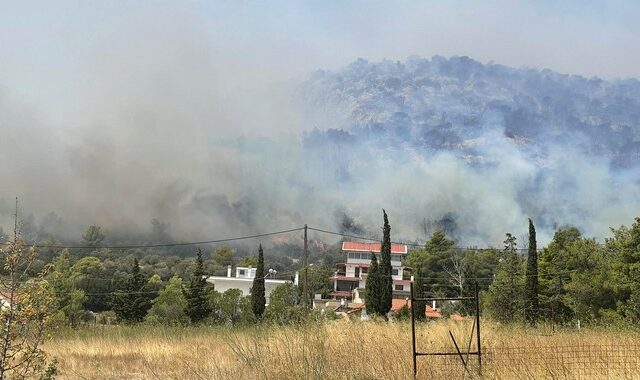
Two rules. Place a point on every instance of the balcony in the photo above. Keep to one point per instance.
(365, 258)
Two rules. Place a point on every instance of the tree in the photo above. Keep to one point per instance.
(69, 298)
(589, 293)
(319, 281)
(258, 299)
(25, 312)
(93, 237)
(504, 299)
(555, 264)
(233, 308)
(284, 305)
(456, 270)
(420, 307)
(131, 301)
(479, 264)
(84, 273)
(224, 255)
(429, 265)
(169, 307)
(531, 306)
(198, 307)
(372, 287)
(623, 252)
(386, 281)
(247, 261)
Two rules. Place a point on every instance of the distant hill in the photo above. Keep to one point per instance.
(458, 104)
(473, 149)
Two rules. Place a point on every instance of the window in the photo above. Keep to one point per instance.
(241, 272)
(364, 270)
(399, 287)
(394, 272)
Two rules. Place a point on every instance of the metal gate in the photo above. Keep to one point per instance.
(476, 328)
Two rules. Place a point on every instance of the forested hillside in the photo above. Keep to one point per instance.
(455, 103)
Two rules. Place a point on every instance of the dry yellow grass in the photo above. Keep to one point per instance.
(338, 350)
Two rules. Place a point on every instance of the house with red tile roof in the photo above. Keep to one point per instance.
(350, 278)
(429, 312)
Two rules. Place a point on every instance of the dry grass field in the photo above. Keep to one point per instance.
(340, 350)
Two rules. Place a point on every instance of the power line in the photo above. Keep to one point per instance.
(161, 245)
(409, 244)
(134, 246)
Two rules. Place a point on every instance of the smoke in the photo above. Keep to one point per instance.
(155, 131)
(169, 124)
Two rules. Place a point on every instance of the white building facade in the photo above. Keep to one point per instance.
(350, 278)
(243, 281)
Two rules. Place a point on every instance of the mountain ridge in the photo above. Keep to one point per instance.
(447, 103)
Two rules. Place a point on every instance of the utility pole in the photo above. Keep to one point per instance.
(306, 270)
(15, 225)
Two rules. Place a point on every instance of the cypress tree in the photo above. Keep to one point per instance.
(418, 292)
(386, 282)
(531, 287)
(141, 301)
(372, 299)
(130, 302)
(198, 307)
(258, 299)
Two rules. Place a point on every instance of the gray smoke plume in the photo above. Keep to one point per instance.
(166, 125)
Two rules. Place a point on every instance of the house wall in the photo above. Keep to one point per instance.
(351, 271)
(365, 258)
(356, 259)
(222, 284)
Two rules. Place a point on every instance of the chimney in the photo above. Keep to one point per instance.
(411, 278)
(433, 304)
(228, 270)
(296, 279)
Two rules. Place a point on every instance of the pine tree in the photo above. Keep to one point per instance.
(131, 301)
(93, 237)
(258, 299)
(504, 298)
(386, 282)
(372, 288)
(198, 307)
(531, 284)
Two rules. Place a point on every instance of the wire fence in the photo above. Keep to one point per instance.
(575, 361)
(581, 361)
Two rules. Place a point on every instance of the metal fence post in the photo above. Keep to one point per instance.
(413, 331)
(478, 328)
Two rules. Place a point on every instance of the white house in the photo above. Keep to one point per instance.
(350, 278)
(243, 281)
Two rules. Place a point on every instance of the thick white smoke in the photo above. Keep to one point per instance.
(166, 114)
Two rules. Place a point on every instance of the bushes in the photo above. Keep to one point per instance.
(169, 307)
(284, 305)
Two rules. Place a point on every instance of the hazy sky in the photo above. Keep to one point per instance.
(118, 112)
(53, 53)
